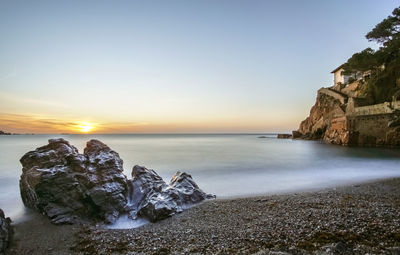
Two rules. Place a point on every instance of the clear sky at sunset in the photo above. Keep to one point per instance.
(173, 66)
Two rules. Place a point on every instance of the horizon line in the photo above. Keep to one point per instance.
(181, 133)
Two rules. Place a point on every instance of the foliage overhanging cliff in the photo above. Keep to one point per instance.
(365, 112)
(384, 63)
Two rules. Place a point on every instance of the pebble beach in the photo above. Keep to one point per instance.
(356, 219)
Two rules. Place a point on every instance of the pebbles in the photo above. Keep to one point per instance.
(349, 220)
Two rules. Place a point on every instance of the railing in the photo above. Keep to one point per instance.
(337, 95)
(385, 108)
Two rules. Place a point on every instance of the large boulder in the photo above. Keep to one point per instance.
(68, 186)
(157, 200)
(6, 232)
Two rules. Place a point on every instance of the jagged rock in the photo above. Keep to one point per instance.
(68, 186)
(6, 232)
(315, 126)
(334, 136)
(337, 119)
(393, 137)
(394, 123)
(296, 134)
(157, 200)
(284, 136)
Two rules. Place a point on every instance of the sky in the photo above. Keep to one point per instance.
(205, 66)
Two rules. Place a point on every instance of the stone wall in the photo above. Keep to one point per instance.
(337, 119)
(335, 95)
(369, 129)
(376, 109)
(370, 125)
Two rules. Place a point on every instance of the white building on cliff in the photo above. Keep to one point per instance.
(340, 79)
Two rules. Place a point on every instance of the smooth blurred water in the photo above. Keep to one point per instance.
(225, 165)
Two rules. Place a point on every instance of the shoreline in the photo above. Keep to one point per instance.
(351, 219)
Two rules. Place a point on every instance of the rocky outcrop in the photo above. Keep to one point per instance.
(69, 187)
(339, 120)
(284, 136)
(156, 200)
(325, 109)
(393, 136)
(6, 232)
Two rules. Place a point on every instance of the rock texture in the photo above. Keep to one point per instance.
(338, 118)
(157, 200)
(393, 136)
(69, 187)
(353, 220)
(6, 232)
(325, 108)
(284, 136)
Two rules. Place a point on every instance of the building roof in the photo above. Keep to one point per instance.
(337, 68)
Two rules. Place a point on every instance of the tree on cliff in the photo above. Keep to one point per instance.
(386, 31)
(362, 61)
(383, 63)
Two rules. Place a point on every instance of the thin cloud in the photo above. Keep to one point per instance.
(20, 123)
(43, 124)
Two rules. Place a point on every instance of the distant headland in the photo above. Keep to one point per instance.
(5, 133)
(8, 133)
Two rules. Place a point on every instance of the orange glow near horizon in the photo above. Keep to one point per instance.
(40, 124)
(85, 127)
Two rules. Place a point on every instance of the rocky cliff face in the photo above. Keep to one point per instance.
(335, 119)
(6, 232)
(69, 187)
(317, 124)
(393, 135)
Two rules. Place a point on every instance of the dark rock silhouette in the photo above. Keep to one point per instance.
(6, 232)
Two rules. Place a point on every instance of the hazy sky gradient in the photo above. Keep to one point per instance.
(173, 66)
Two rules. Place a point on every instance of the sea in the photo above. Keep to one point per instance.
(227, 165)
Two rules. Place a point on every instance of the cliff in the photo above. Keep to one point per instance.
(339, 118)
(316, 124)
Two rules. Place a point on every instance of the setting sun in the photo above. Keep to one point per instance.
(86, 127)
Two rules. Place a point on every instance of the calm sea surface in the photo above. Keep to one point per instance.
(225, 165)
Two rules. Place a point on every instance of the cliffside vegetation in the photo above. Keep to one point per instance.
(384, 63)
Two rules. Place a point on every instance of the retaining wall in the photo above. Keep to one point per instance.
(370, 125)
(333, 94)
